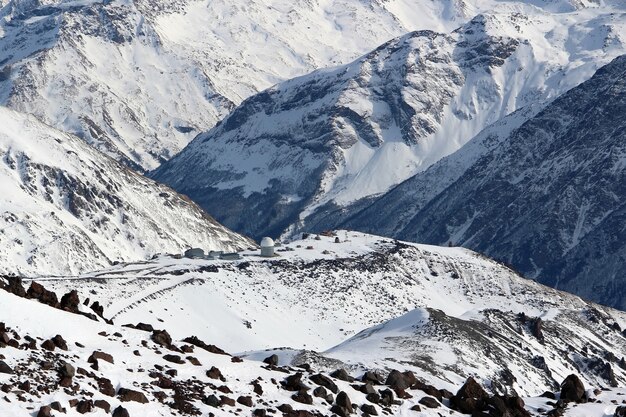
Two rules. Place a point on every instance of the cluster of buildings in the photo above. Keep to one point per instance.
(267, 250)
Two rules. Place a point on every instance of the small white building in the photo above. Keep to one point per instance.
(267, 247)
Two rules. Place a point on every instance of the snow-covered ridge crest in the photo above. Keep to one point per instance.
(67, 208)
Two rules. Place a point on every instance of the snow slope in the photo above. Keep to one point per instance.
(139, 363)
(468, 319)
(338, 135)
(66, 208)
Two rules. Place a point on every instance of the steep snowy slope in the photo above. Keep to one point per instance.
(139, 79)
(342, 134)
(469, 319)
(55, 360)
(548, 200)
(66, 208)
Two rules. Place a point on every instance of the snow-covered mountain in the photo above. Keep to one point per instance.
(548, 199)
(139, 79)
(66, 208)
(338, 135)
(461, 314)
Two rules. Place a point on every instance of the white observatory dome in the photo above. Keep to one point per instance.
(267, 242)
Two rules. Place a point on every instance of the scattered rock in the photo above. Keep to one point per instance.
(302, 397)
(343, 405)
(85, 406)
(120, 412)
(45, 411)
(162, 337)
(5, 369)
(48, 345)
(70, 301)
(369, 410)
(125, 394)
(400, 380)
(429, 402)
(294, 383)
(97, 355)
(215, 373)
(620, 411)
(174, 359)
(373, 377)
(572, 389)
(245, 400)
(325, 382)
(342, 374)
(209, 348)
(104, 405)
(271, 360)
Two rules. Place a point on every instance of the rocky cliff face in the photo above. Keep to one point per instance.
(67, 208)
(547, 199)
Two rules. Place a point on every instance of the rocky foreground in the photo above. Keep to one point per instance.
(56, 358)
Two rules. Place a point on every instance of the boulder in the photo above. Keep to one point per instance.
(105, 387)
(102, 404)
(70, 301)
(215, 373)
(174, 359)
(369, 410)
(66, 370)
(5, 369)
(97, 355)
(245, 400)
(302, 397)
(39, 293)
(294, 383)
(14, 286)
(429, 402)
(471, 398)
(271, 360)
(212, 401)
(343, 405)
(45, 411)
(125, 394)
(59, 342)
(85, 406)
(373, 377)
(209, 348)
(325, 382)
(400, 381)
(120, 412)
(342, 374)
(573, 390)
(320, 392)
(48, 345)
(161, 337)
